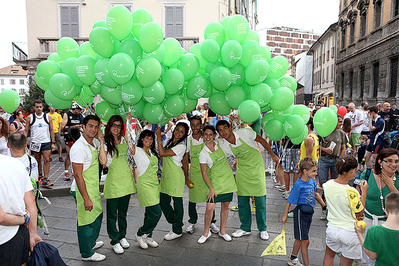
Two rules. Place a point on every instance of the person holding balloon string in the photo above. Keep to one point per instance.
(172, 179)
(197, 188)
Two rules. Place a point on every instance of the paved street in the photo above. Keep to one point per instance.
(61, 218)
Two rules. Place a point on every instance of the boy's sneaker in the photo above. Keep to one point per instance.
(46, 183)
(214, 228)
(190, 228)
(66, 177)
(294, 262)
(286, 194)
(234, 208)
(277, 185)
(323, 215)
(281, 189)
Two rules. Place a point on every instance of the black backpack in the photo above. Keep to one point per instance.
(395, 142)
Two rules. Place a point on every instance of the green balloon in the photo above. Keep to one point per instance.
(119, 21)
(148, 71)
(69, 68)
(137, 109)
(252, 35)
(173, 80)
(46, 69)
(56, 58)
(301, 136)
(104, 111)
(334, 108)
(189, 105)
(121, 68)
(84, 66)
(273, 83)
(234, 96)
(111, 95)
(209, 92)
(133, 49)
(266, 118)
(218, 104)
(140, 17)
(100, 23)
(159, 54)
(197, 87)
(257, 71)
(155, 93)
(293, 126)
(302, 111)
(274, 129)
(55, 102)
(237, 28)
(102, 41)
(9, 100)
(150, 37)
(221, 78)
(67, 47)
(152, 113)
(117, 45)
(262, 94)
(40, 83)
(86, 49)
(282, 99)
(325, 121)
(289, 82)
(249, 111)
(195, 49)
(132, 92)
(210, 67)
(250, 52)
(216, 32)
(266, 108)
(96, 88)
(210, 50)
(265, 53)
(113, 106)
(85, 97)
(231, 53)
(172, 50)
(122, 112)
(61, 86)
(174, 106)
(188, 64)
(284, 114)
(278, 67)
(238, 74)
(102, 74)
(224, 22)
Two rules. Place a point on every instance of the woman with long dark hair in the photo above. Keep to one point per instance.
(173, 180)
(119, 184)
(19, 123)
(3, 136)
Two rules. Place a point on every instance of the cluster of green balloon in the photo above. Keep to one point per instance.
(9, 101)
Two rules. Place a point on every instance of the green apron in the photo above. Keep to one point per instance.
(221, 175)
(90, 176)
(250, 175)
(172, 179)
(148, 185)
(119, 181)
(199, 192)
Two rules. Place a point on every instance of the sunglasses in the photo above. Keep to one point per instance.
(116, 125)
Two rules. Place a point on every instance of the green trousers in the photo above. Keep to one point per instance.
(244, 212)
(151, 217)
(192, 212)
(116, 212)
(174, 215)
(87, 236)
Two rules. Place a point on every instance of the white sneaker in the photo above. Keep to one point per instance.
(124, 243)
(277, 185)
(190, 228)
(95, 257)
(118, 249)
(203, 238)
(98, 244)
(151, 242)
(286, 194)
(240, 233)
(281, 189)
(172, 235)
(141, 241)
(294, 262)
(214, 228)
(264, 235)
(226, 237)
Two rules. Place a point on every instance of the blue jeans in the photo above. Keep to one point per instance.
(324, 165)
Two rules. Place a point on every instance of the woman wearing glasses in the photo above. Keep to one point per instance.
(119, 183)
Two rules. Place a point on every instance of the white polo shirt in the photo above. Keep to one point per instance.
(247, 135)
(81, 153)
(141, 160)
(205, 156)
(195, 142)
(355, 118)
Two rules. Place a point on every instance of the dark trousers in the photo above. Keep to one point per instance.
(151, 217)
(192, 212)
(174, 215)
(116, 212)
(87, 236)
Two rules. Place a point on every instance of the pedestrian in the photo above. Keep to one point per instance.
(172, 180)
(217, 118)
(356, 117)
(85, 163)
(310, 146)
(389, 123)
(57, 119)
(394, 112)
(376, 142)
(361, 152)
(42, 140)
(19, 122)
(290, 157)
(119, 184)
(250, 175)
(3, 136)
(198, 191)
(6, 116)
(365, 109)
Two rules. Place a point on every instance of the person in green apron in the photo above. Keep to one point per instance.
(197, 188)
(219, 180)
(146, 159)
(119, 184)
(250, 175)
(85, 163)
(172, 179)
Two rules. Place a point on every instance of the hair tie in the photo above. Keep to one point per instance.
(343, 160)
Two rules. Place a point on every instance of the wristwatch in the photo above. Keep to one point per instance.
(27, 219)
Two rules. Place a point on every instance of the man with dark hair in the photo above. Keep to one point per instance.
(85, 163)
(376, 143)
(387, 117)
(43, 140)
(250, 175)
(394, 112)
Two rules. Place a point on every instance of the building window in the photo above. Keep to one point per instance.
(394, 77)
(21, 91)
(362, 76)
(332, 73)
(14, 89)
(174, 21)
(12, 81)
(350, 84)
(327, 71)
(2, 81)
(345, 3)
(14, 71)
(69, 16)
(395, 8)
(342, 84)
(21, 82)
(376, 78)
(128, 6)
(343, 38)
(377, 13)
(352, 35)
(363, 24)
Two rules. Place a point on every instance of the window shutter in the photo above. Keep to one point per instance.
(169, 25)
(64, 21)
(174, 21)
(178, 21)
(69, 21)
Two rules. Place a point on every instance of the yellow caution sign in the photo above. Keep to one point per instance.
(277, 246)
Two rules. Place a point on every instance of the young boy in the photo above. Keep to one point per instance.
(381, 240)
(303, 195)
(361, 152)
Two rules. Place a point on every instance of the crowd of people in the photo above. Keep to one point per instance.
(351, 173)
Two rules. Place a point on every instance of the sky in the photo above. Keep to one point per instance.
(315, 15)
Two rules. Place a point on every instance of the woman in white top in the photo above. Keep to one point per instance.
(3, 136)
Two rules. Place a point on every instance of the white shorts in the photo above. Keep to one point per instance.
(344, 241)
